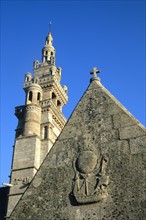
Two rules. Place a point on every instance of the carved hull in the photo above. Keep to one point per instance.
(88, 199)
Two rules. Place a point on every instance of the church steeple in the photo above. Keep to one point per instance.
(48, 51)
(40, 121)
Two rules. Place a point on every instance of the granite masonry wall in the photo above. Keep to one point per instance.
(95, 170)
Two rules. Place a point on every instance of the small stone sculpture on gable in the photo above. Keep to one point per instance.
(90, 181)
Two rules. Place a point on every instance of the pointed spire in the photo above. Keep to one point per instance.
(48, 51)
(49, 39)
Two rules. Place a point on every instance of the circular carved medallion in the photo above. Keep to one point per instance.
(86, 162)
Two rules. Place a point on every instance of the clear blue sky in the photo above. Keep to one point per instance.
(107, 34)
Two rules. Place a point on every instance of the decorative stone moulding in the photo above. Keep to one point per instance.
(32, 108)
(90, 181)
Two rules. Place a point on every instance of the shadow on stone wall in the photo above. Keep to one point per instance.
(4, 191)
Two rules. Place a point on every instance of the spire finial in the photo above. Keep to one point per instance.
(50, 26)
(94, 71)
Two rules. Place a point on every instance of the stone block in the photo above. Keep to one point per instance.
(26, 152)
(123, 120)
(12, 203)
(138, 145)
(131, 132)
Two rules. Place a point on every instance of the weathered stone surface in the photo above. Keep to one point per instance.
(138, 145)
(94, 170)
(131, 132)
(122, 120)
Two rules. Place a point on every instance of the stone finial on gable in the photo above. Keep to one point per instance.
(94, 71)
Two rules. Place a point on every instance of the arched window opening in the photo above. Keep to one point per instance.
(27, 77)
(38, 96)
(30, 96)
(45, 132)
(52, 53)
(53, 95)
(58, 103)
(36, 80)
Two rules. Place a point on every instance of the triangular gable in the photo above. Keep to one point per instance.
(95, 170)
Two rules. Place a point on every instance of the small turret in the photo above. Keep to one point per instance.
(32, 114)
(33, 90)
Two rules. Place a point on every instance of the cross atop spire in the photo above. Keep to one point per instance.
(94, 71)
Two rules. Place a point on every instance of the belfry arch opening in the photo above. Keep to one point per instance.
(45, 132)
(38, 96)
(27, 78)
(30, 96)
(59, 106)
(58, 103)
(53, 95)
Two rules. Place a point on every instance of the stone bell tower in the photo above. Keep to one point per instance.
(40, 121)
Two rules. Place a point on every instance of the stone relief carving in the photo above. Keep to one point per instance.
(23, 181)
(90, 181)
